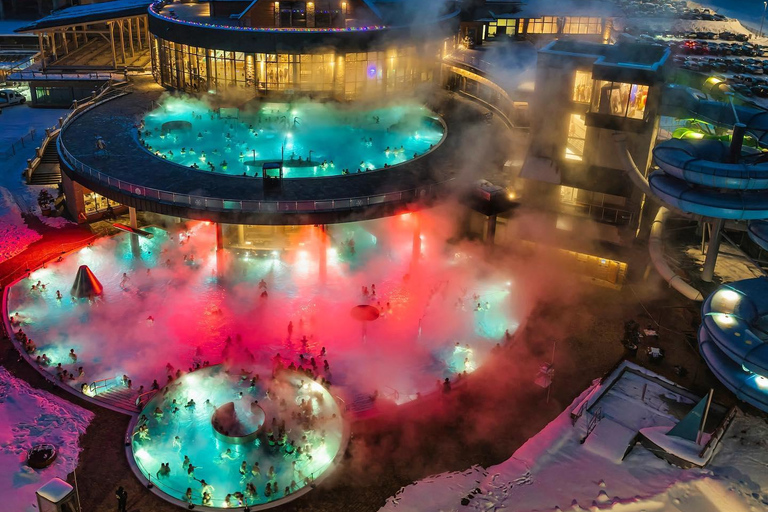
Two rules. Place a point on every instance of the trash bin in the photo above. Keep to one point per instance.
(56, 496)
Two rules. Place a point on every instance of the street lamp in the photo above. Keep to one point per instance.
(762, 20)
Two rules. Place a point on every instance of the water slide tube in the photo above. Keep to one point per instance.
(655, 241)
(733, 338)
(696, 176)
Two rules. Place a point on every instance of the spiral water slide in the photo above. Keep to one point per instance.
(722, 180)
(708, 178)
(733, 339)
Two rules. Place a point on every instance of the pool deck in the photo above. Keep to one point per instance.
(127, 161)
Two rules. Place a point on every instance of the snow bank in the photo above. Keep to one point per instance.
(554, 471)
(16, 236)
(29, 416)
(54, 222)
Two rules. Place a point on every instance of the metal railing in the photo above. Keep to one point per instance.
(231, 205)
(96, 385)
(15, 146)
(22, 76)
(106, 91)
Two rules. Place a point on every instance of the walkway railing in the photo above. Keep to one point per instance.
(22, 76)
(107, 91)
(19, 144)
(232, 205)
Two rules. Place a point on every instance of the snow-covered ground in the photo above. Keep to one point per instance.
(16, 197)
(15, 235)
(553, 471)
(28, 417)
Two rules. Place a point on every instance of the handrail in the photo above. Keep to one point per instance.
(93, 386)
(139, 399)
(228, 205)
(51, 133)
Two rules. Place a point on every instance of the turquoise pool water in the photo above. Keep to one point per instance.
(301, 434)
(311, 139)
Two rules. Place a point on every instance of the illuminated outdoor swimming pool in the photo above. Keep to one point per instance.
(163, 303)
(311, 139)
(250, 438)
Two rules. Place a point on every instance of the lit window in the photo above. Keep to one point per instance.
(620, 99)
(577, 134)
(582, 87)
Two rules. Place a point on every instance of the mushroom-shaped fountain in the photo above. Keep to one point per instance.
(86, 285)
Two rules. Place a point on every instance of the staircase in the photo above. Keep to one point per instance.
(119, 397)
(361, 403)
(48, 171)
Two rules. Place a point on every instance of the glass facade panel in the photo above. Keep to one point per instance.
(346, 76)
(543, 25)
(620, 99)
(577, 134)
(95, 203)
(582, 87)
(582, 25)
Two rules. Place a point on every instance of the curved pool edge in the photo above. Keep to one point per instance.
(439, 143)
(28, 358)
(346, 435)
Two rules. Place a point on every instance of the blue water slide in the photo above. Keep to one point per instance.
(733, 338)
(758, 232)
(747, 386)
(706, 163)
(709, 202)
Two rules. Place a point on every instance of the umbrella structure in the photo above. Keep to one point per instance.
(86, 285)
(364, 313)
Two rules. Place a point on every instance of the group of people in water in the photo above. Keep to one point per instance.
(239, 139)
(297, 424)
(63, 374)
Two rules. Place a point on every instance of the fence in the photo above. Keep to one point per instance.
(23, 142)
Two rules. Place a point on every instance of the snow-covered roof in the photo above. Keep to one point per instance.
(539, 8)
(88, 14)
(55, 490)
(8, 27)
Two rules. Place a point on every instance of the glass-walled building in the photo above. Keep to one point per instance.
(339, 75)
(342, 51)
(585, 94)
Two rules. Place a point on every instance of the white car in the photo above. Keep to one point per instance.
(9, 97)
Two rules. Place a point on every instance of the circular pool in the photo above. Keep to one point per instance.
(310, 139)
(250, 439)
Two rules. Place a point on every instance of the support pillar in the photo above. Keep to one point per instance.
(416, 252)
(132, 215)
(219, 250)
(146, 30)
(42, 49)
(490, 233)
(135, 249)
(714, 248)
(122, 41)
(130, 37)
(219, 237)
(323, 259)
(240, 234)
(111, 25)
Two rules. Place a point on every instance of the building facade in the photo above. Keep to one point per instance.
(586, 94)
(339, 49)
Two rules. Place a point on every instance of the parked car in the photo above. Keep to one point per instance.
(9, 97)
